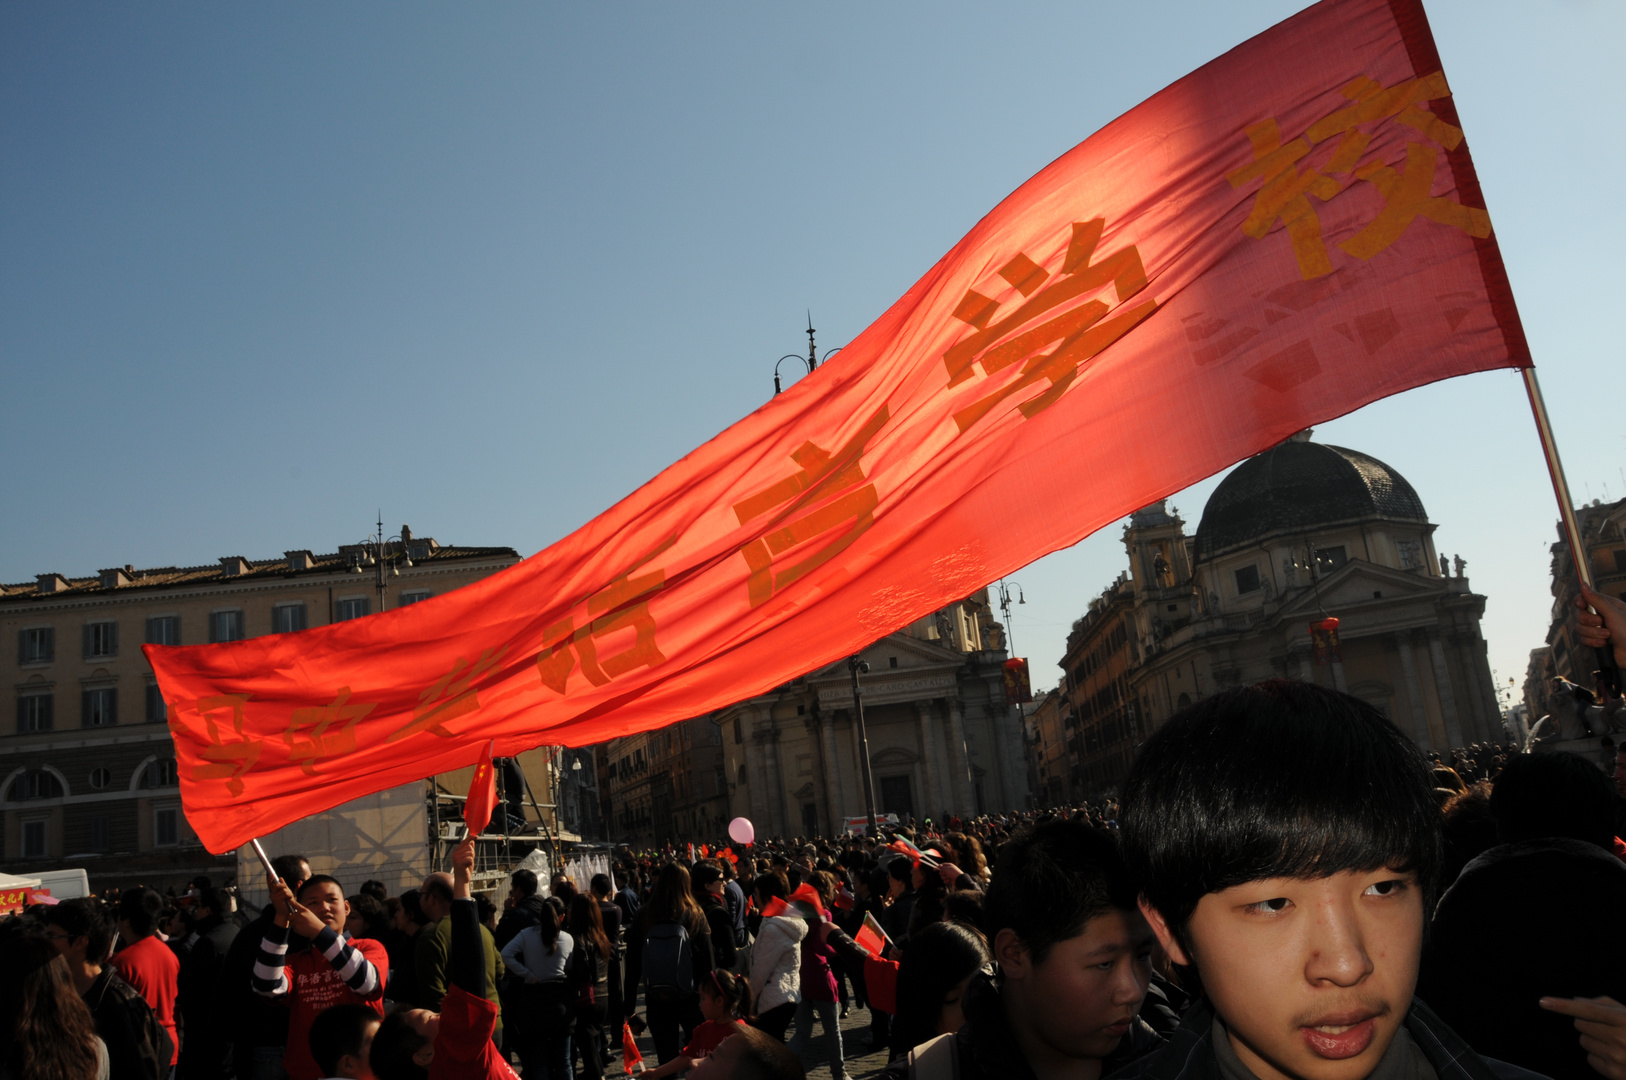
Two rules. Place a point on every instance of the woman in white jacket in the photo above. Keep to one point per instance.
(776, 961)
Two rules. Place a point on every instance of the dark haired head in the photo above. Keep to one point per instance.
(374, 888)
(937, 958)
(340, 1031)
(524, 883)
(1558, 794)
(315, 880)
(49, 1030)
(1278, 780)
(759, 1056)
(394, 1044)
(85, 917)
(292, 869)
(140, 907)
(705, 872)
(411, 908)
(1054, 878)
(214, 900)
(600, 884)
(734, 991)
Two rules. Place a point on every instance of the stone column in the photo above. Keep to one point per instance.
(931, 801)
(1014, 740)
(965, 796)
(1448, 700)
(828, 763)
(757, 766)
(1414, 693)
(776, 794)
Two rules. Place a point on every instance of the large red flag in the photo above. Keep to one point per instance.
(1284, 235)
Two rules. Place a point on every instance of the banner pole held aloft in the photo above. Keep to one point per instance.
(265, 860)
(1607, 675)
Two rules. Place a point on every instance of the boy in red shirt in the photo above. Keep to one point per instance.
(333, 970)
(455, 1043)
(146, 963)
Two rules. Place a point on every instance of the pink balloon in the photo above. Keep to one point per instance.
(740, 831)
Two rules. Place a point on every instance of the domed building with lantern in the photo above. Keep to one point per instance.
(1311, 562)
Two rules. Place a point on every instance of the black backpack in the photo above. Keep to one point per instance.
(154, 1046)
(668, 962)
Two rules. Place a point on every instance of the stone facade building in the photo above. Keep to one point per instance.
(1292, 536)
(87, 767)
(942, 740)
(1603, 532)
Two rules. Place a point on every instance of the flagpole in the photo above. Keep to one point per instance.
(1607, 675)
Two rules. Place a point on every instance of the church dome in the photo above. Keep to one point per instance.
(1302, 486)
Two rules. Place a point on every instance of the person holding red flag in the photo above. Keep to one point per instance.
(333, 971)
(455, 1043)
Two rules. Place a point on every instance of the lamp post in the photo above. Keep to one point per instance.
(859, 667)
(1004, 590)
(379, 552)
(811, 359)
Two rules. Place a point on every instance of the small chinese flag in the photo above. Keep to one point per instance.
(728, 853)
(482, 793)
(705, 852)
(871, 938)
(881, 984)
(630, 1057)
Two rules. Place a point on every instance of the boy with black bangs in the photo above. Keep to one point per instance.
(1287, 847)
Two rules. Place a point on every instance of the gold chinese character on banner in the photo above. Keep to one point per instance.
(324, 731)
(623, 604)
(1287, 186)
(1046, 317)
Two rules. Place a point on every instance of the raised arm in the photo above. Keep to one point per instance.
(467, 967)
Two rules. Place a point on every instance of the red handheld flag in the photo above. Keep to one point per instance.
(1289, 232)
(881, 983)
(482, 794)
(870, 937)
(630, 1056)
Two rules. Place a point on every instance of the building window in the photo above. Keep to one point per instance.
(159, 773)
(1411, 554)
(101, 640)
(739, 732)
(34, 839)
(33, 713)
(415, 596)
(1247, 580)
(225, 626)
(36, 646)
(99, 708)
(166, 827)
(351, 608)
(35, 784)
(101, 834)
(156, 711)
(287, 618)
(1329, 559)
(164, 630)
(100, 778)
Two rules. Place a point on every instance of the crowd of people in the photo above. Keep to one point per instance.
(1288, 888)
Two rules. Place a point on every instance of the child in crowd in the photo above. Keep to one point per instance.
(724, 999)
(341, 1038)
(335, 970)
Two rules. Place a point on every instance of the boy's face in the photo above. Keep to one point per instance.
(1312, 977)
(357, 1067)
(326, 901)
(1080, 1001)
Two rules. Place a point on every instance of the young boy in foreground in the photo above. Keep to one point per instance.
(1288, 851)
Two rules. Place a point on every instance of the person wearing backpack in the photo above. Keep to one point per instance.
(669, 948)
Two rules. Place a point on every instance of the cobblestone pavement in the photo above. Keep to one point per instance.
(862, 1062)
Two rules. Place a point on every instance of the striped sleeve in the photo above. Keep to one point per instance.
(356, 970)
(270, 975)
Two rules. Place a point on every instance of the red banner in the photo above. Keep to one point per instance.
(1286, 234)
(1018, 690)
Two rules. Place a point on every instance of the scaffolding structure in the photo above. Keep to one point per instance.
(505, 844)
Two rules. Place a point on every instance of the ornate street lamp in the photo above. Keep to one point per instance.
(384, 553)
(811, 359)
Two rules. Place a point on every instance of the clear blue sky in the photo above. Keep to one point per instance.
(265, 269)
